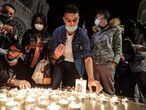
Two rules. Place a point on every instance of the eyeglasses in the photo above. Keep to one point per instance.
(71, 20)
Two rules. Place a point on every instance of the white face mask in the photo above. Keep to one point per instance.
(97, 22)
(14, 60)
(71, 28)
(39, 27)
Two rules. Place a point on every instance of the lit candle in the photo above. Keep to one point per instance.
(3, 95)
(75, 106)
(125, 106)
(92, 96)
(55, 97)
(3, 102)
(71, 98)
(102, 107)
(63, 102)
(115, 100)
(53, 106)
(115, 107)
(30, 103)
(104, 99)
(43, 101)
(125, 100)
(20, 98)
(82, 98)
(12, 105)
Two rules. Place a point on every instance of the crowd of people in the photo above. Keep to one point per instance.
(71, 54)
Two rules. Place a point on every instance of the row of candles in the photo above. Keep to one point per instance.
(47, 99)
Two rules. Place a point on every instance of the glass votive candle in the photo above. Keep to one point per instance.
(3, 95)
(37, 108)
(71, 99)
(53, 106)
(82, 98)
(12, 105)
(125, 100)
(20, 98)
(115, 100)
(92, 96)
(30, 103)
(63, 102)
(43, 101)
(104, 99)
(74, 106)
(13, 92)
(3, 102)
(54, 97)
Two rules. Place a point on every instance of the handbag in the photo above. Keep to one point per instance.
(42, 72)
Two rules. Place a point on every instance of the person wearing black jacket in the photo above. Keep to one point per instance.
(8, 31)
(12, 69)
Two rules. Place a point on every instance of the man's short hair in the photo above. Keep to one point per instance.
(71, 8)
(105, 13)
(17, 45)
(7, 4)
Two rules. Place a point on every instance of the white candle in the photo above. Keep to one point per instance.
(54, 106)
(75, 106)
(54, 97)
(104, 99)
(115, 100)
(30, 103)
(125, 100)
(3, 102)
(3, 95)
(126, 106)
(71, 98)
(102, 107)
(63, 102)
(43, 101)
(12, 105)
(115, 107)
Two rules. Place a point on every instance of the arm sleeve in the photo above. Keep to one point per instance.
(117, 45)
(4, 76)
(86, 45)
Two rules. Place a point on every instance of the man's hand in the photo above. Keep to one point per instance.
(22, 84)
(142, 49)
(59, 51)
(113, 65)
(30, 46)
(96, 84)
(39, 44)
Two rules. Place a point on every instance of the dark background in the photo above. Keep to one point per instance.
(123, 9)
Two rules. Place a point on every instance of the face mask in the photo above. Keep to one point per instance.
(13, 60)
(97, 22)
(5, 17)
(71, 28)
(39, 27)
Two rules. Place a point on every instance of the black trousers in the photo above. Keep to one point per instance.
(65, 72)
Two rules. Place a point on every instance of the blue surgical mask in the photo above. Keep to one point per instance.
(71, 28)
